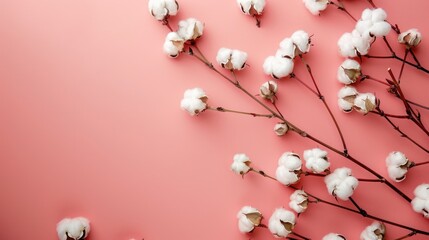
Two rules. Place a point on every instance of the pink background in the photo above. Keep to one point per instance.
(91, 126)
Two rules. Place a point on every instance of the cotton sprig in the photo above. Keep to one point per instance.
(299, 201)
(333, 236)
(162, 9)
(397, 166)
(281, 64)
(194, 101)
(420, 203)
(241, 164)
(289, 168)
(73, 228)
(248, 218)
(282, 222)
(316, 6)
(411, 38)
(231, 59)
(375, 231)
(341, 183)
(316, 160)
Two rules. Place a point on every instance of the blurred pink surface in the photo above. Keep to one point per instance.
(90, 121)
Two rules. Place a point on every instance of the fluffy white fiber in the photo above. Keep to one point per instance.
(241, 163)
(301, 40)
(252, 7)
(365, 102)
(397, 166)
(281, 129)
(316, 160)
(190, 29)
(161, 9)
(346, 98)
(333, 236)
(75, 228)
(278, 67)
(349, 71)
(298, 201)
(316, 6)
(411, 37)
(194, 101)
(375, 231)
(281, 222)
(420, 203)
(173, 44)
(248, 218)
(341, 183)
(289, 168)
(268, 90)
(231, 59)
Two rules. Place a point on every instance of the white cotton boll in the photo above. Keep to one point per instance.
(298, 201)
(190, 29)
(375, 231)
(231, 59)
(345, 45)
(252, 7)
(316, 6)
(397, 166)
(366, 15)
(248, 218)
(287, 48)
(316, 160)
(289, 168)
(194, 101)
(173, 44)
(349, 72)
(380, 29)
(282, 222)
(378, 15)
(365, 102)
(241, 163)
(161, 9)
(361, 43)
(301, 39)
(278, 67)
(410, 37)
(74, 228)
(420, 203)
(363, 26)
(341, 183)
(333, 236)
(346, 98)
(268, 90)
(281, 129)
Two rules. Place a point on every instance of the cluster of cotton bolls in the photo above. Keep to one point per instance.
(281, 64)
(371, 25)
(349, 98)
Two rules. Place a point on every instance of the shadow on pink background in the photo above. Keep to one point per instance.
(90, 121)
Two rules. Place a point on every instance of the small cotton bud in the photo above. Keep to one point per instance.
(349, 72)
(241, 164)
(341, 183)
(346, 98)
(281, 129)
(397, 166)
(190, 29)
(302, 41)
(278, 67)
(194, 101)
(289, 168)
(375, 231)
(298, 201)
(251, 7)
(282, 222)
(365, 102)
(411, 38)
(231, 59)
(248, 219)
(316, 6)
(268, 90)
(173, 44)
(334, 236)
(420, 203)
(162, 9)
(73, 228)
(316, 160)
